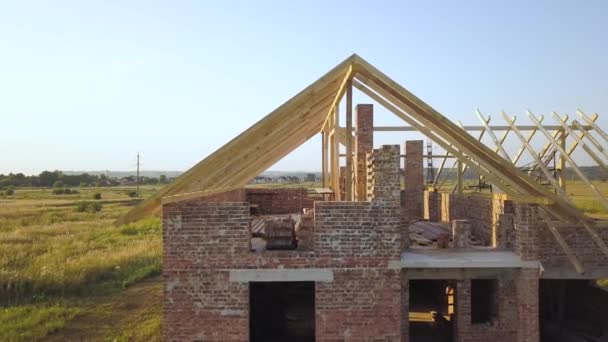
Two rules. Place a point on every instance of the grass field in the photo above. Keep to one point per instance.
(69, 275)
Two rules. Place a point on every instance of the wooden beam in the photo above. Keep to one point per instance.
(581, 135)
(300, 101)
(335, 170)
(447, 154)
(441, 127)
(324, 159)
(539, 162)
(257, 149)
(470, 128)
(492, 135)
(268, 155)
(460, 180)
(348, 186)
(572, 163)
(561, 167)
(464, 170)
(341, 90)
(593, 124)
(429, 133)
(592, 139)
(496, 169)
(521, 150)
(585, 147)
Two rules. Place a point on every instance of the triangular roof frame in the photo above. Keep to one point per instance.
(306, 114)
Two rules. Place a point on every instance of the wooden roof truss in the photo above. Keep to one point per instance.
(315, 110)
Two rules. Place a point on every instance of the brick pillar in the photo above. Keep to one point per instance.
(414, 180)
(364, 143)
(461, 233)
(527, 225)
(405, 308)
(342, 183)
(462, 324)
(527, 308)
(369, 161)
(387, 181)
(434, 203)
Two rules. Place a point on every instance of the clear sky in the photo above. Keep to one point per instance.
(85, 85)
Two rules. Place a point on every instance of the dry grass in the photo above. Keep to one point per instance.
(52, 255)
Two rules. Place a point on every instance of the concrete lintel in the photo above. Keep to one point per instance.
(460, 273)
(455, 258)
(567, 272)
(304, 274)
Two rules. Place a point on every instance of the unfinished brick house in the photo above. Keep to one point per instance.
(378, 252)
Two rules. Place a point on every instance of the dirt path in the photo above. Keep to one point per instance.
(130, 315)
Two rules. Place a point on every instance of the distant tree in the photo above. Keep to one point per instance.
(58, 184)
(88, 206)
(97, 196)
(162, 179)
(132, 193)
(10, 191)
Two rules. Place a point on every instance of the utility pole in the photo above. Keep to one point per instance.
(137, 179)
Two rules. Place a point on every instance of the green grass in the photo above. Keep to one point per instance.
(34, 321)
(56, 260)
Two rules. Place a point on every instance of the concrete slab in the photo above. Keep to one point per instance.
(455, 258)
(305, 274)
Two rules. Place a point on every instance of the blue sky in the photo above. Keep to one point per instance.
(85, 85)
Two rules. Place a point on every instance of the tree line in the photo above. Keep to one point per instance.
(59, 179)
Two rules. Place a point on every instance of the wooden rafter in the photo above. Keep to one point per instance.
(582, 176)
(590, 137)
(600, 162)
(539, 162)
(592, 123)
(429, 133)
(315, 109)
(497, 142)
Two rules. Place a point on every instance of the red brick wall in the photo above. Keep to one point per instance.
(503, 328)
(360, 305)
(527, 225)
(357, 240)
(364, 143)
(434, 205)
(237, 195)
(192, 314)
(579, 240)
(349, 234)
(280, 201)
(479, 211)
(414, 180)
(199, 238)
(485, 216)
(527, 288)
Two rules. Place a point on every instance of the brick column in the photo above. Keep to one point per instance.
(405, 308)
(434, 203)
(414, 180)
(461, 233)
(364, 143)
(387, 181)
(527, 225)
(527, 308)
